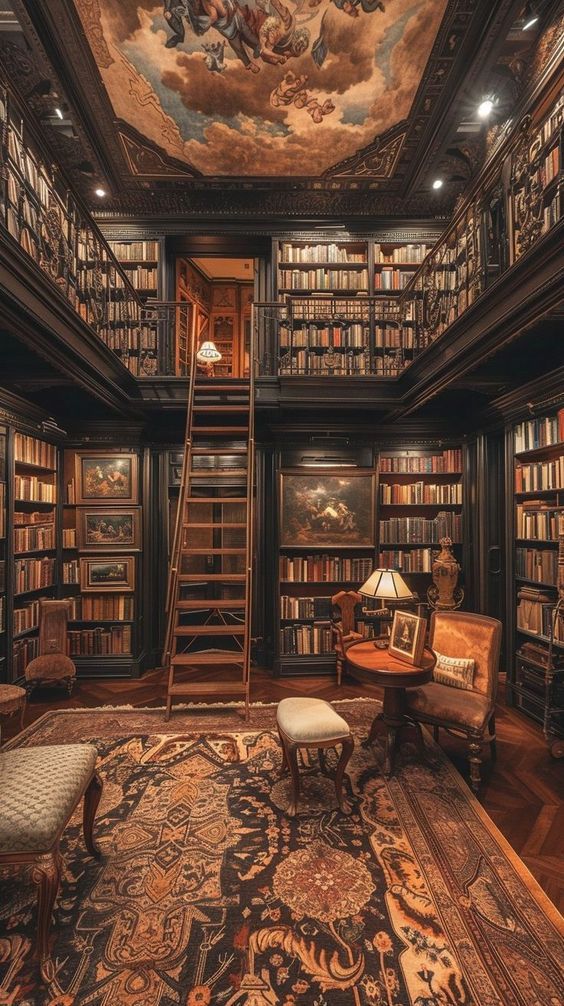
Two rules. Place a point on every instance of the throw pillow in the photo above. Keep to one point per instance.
(458, 672)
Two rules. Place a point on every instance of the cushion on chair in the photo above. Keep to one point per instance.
(39, 788)
(50, 667)
(454, 705)
(464, 634)
(457, 672)
(306, 720)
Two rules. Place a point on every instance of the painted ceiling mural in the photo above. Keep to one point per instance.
(264, 87)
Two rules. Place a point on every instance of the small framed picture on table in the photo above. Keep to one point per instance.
(407, 638)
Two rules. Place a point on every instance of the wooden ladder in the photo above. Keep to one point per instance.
(208, 639)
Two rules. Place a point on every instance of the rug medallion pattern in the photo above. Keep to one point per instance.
(208, 894)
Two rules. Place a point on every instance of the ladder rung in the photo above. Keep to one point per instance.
(216, 577)
(215, 499)
(209, 630)
(221, 524)
(213, 551)
(210, 604)
(219, 408)
(209, 389)
(218, 451)
(218, 657)
(216, 473)
(208, 688)
(217, 430)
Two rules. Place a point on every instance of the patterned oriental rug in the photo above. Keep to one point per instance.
(208, 894)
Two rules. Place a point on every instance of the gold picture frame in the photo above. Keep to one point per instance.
(108, 574)
(106, 477)
(331, 509)
(407, 638)
(104, 529)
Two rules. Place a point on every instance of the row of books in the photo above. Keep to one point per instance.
(100, 641)
(32, 574)
(23, 651)
(330, 568)
(540, 476)
(2, 613)
(69, 537)
(34, 490)
(31, 451)
(135, 251)
(538, 564)
(553, 122)
(317, 309)
(534, 611)
(394, 335)
(324, 279)
(23, 519)
(392, 279)
(305, 607)
(26, 617)
(34, 538)
(449, 461)
(400, 254)
(320, 253)
(142, 278)
(551, 213)
(101, 607)
(2, 509)
(330, 335)
(70, 571)
(551, 164)
(416, 560)
(302, 640)
(322, 364)
(542, 432)
(418, 529)
(395, 493)
(536, 519)
(32, 172)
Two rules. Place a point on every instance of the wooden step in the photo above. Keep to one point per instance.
(209, 630)
(189, 688)
(215, 577)
(217, 431)
(217, 657)
(219, 408)
(215, 499)
(219, 452)
(216, 473)
(221, 524)
(210, 604)
(209, 389)
(187, 550)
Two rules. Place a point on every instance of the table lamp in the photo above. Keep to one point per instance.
(207, 356)
(386, 585)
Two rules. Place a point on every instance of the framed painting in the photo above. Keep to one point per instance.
(108, 573)
(99, 529)
(105, 478)
(329, 511)
(407, 638)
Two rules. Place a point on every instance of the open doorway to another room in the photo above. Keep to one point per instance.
(220, 291)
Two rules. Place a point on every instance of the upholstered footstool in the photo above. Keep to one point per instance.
(312, 723)
(39, 790)
(12, 701)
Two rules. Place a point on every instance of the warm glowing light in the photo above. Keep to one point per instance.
(438, 183)
(485, 108)
(100, 192)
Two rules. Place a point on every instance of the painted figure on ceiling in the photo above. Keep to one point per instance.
(224, 15)
(279, 35)
(320, 48)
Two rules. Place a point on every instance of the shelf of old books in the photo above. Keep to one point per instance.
(538, 486)
(3, 549)
(536, 179)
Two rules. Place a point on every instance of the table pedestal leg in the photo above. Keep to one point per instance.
(393, 721)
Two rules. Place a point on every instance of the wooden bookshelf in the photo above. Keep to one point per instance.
(3, 551)
(535, 198)
(420, 500)
(141, 261)
(537, 475)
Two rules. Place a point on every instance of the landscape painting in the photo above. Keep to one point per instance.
(106, 477)
(332, 511)
(100, 529)
(264, 87)
(107, 574)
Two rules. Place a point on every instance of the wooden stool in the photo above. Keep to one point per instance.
(312, 723)
(12, 700)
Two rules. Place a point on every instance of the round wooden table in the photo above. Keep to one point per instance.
(378, 667)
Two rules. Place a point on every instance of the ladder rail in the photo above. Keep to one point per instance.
(250, 513)
(184, 479)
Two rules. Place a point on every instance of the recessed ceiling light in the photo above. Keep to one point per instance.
(58, 113)
(485, 108)
(100, 192)
(438, 183)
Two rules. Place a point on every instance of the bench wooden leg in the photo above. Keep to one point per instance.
(348, 748)
(46, 874)
(291, 758)
(91, 801)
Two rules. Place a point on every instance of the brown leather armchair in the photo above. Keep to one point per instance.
(457, 710)
(52, 666)
(344, 633)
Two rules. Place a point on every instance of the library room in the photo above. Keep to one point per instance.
(281, 503)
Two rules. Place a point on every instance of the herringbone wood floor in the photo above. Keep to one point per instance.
(523, 792)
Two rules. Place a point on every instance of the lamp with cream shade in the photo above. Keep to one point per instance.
(207, 356)
(385, 585)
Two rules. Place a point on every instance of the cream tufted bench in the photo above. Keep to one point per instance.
(39, 790)
(312, 723)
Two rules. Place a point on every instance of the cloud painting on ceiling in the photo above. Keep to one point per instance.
(265, 87)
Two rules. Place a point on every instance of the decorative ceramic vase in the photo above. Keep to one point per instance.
(444, 594)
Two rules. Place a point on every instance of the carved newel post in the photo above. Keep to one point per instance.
(444, 595)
